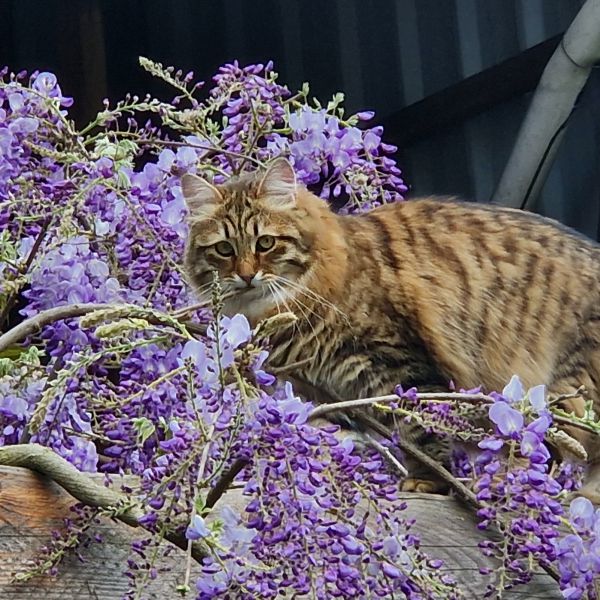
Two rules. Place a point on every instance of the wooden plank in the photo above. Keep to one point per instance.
(31, 507)
(471, 96)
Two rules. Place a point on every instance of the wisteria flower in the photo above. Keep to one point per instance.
(97, 216)
(197, 529)
(514, 391)
(507, 419)
(537, 398)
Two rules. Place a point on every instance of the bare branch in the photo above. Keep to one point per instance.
(462, 491)
(407, 447)
(224, 482)
(24, 269)
(346, 405)
(389, 398)
(37, 322)
(81, 487)
(386, 453)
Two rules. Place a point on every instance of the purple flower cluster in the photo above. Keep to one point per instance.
(84, 225)
(18, 394)
(97, 216)
(31, 114)
(350, 160)
(518, 493)
(578, 552)
(70, 274)
(440, 418)
(262, 119)
(302, 529)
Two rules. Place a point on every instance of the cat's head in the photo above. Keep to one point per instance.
(255, 234)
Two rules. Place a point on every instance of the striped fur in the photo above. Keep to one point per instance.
(417, 293)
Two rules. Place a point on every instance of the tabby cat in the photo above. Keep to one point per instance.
(418, 293)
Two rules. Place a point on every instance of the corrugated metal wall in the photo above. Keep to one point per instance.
(385, 54)
(469, 158)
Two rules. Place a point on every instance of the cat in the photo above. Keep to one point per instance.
(417, 293)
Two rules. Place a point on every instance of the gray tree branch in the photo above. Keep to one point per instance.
(45, 461)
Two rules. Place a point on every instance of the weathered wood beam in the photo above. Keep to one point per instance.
(31, 507)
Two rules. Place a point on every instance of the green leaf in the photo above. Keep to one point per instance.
(144, 427)
(216, 527)
(200, 504)
(335, 102)
(183, 589)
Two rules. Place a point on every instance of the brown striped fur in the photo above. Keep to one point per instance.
(419, 293)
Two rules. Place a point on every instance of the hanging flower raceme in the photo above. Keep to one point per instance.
(181, 398)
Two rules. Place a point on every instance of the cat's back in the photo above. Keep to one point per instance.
(452, 216)
(483, 282)
(445, 227)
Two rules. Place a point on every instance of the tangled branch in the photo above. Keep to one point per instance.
(45, 461)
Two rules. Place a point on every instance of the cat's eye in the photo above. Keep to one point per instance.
(224, 249)
(265, 242)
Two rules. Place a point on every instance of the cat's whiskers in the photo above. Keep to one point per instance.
(275, 293)
(203, 293)
(313, 300)
(300, 306)
(281, 294)
(312, 295)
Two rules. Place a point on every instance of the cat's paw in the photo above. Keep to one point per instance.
(424, 486)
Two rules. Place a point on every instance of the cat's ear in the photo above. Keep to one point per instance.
(201, 197)
(277, 187)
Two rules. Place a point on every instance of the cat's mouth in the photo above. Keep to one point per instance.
(248, 291)
(250, 301)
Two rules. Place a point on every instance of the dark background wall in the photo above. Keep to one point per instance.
(450, 79)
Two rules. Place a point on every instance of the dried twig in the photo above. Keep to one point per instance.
(80, 486)
(360, 402)
(372, 424)
(209, 149)
(386, 453)
(224, 482)
(186, 310)
(445, 396)
(407, 447)
(24, 269)
(463, 492)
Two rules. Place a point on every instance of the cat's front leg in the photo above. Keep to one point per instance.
(421, 477)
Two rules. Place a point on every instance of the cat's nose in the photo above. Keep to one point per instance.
(247, 278)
